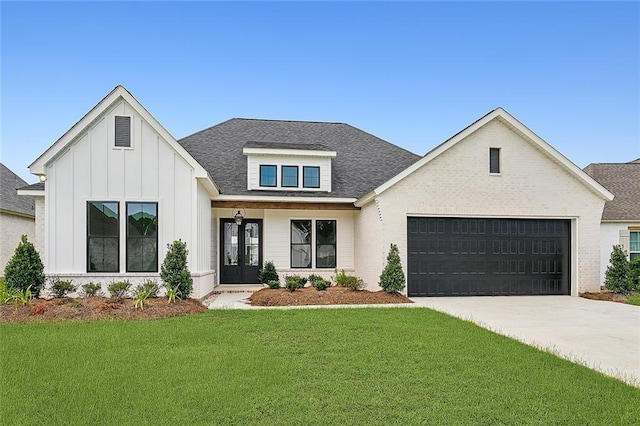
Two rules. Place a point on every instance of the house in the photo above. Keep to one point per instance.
(494, 210)
(17, 215)
(621, 216)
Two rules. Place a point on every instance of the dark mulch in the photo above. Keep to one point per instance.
(330, 296)
(608, 296)
(95, 308)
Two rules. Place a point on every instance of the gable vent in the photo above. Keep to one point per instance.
(123, 131)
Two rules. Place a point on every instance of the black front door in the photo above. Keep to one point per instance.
(240, 251)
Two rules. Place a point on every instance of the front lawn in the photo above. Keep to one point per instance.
(310, 366)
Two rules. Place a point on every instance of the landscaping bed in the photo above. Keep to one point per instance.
(330, 296)
(95, 308)
(609, 296)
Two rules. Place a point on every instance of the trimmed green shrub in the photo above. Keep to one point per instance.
(353, 283)
(268, 273)
(274, 284)
(294, 282)
(634, 271)
(119, 289)
(392, 278)
(91, 290)
(314, 277)
(320, 284)
(340, 278)
(174, 270)
(60, 288)
(618, 275)
(24, 269)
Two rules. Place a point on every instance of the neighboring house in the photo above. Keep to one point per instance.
(17, 215)
(492, 210)
(621, 216)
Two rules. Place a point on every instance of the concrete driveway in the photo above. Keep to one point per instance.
(604, 336)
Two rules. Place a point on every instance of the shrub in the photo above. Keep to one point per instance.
(119, 289)
(268, 273)
(314, 277)
(60, 288)
(392, 278)
(294, 282)
(174, 271)
(634, 271)
(618, 276)
(91, 290)
(320, 284)
(274, 284)
(340, 278)
(633, 300)
(151, 286)
(353, 283)
(25, 269)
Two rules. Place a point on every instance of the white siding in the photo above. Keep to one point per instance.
(609, 237)
(458, 183)
(253, 171)
(12, 228)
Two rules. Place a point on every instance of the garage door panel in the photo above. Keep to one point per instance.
(483, 256)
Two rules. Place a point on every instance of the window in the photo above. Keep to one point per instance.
(290, 176)
(142, 237)
(311, 177)
(103, 231)
(494, 160)
(123, 131)
(268, 175)
(634, 244)
(301, 243)
(325, 243)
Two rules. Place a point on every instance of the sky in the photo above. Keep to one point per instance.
(412, 73)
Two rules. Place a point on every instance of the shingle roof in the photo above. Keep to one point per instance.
(363, 161)
(623, 180)
(9, 198)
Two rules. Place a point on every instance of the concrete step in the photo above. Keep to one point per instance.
(237, 288)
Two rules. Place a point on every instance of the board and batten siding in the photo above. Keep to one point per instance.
(458, 183)
(93, 169)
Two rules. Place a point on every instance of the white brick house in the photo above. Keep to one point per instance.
(493, 210)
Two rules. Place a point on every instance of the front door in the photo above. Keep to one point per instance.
(240, 251)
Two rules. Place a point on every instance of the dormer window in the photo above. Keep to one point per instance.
(311, 177)
(123, 132)
(289, 176)
(268, 175)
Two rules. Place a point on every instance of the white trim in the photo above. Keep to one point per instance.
(497, 113)
(326, 200)
(119, 92)
(288, 151)
(31, 192)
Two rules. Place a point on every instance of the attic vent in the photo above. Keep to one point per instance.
(123, 131)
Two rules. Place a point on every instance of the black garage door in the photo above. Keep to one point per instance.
(485, 257)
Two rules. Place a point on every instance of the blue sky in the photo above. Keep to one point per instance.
(411, 73)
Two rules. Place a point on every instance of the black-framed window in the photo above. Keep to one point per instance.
(103, 236)
(494, 160)
(326, 231)
(142, 237)
(301, 243)
(289, 176)
(311, 176)
(268, 175)
(123, 131)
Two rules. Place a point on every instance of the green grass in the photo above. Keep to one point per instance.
(316, 366)
(633, 299)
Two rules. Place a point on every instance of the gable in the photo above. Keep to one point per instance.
(524, 139)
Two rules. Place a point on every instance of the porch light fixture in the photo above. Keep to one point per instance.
(42, 178)
(238, 218)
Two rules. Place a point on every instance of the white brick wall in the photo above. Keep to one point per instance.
(458, 183)
(12, 228)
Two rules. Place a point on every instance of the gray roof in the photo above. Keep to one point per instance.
(362, 163)
(9, 198)
(623, 180)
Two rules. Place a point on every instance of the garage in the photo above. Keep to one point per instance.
(450, 256)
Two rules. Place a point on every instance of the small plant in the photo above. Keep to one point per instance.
(314, 277)
(60, 288)
(392, 277)
(354, 283)
(119, 289)
(634, 272)
(340, 278)
(91, 290)
(172, 293)
(24, 269)
(151, 286)
(5, 295)
(268, 273)
(21, 296)
(274, 284)
(320, 284)
(294, 282)
(174, 271)
(76, 304)
(618, 275)
(141, 293)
